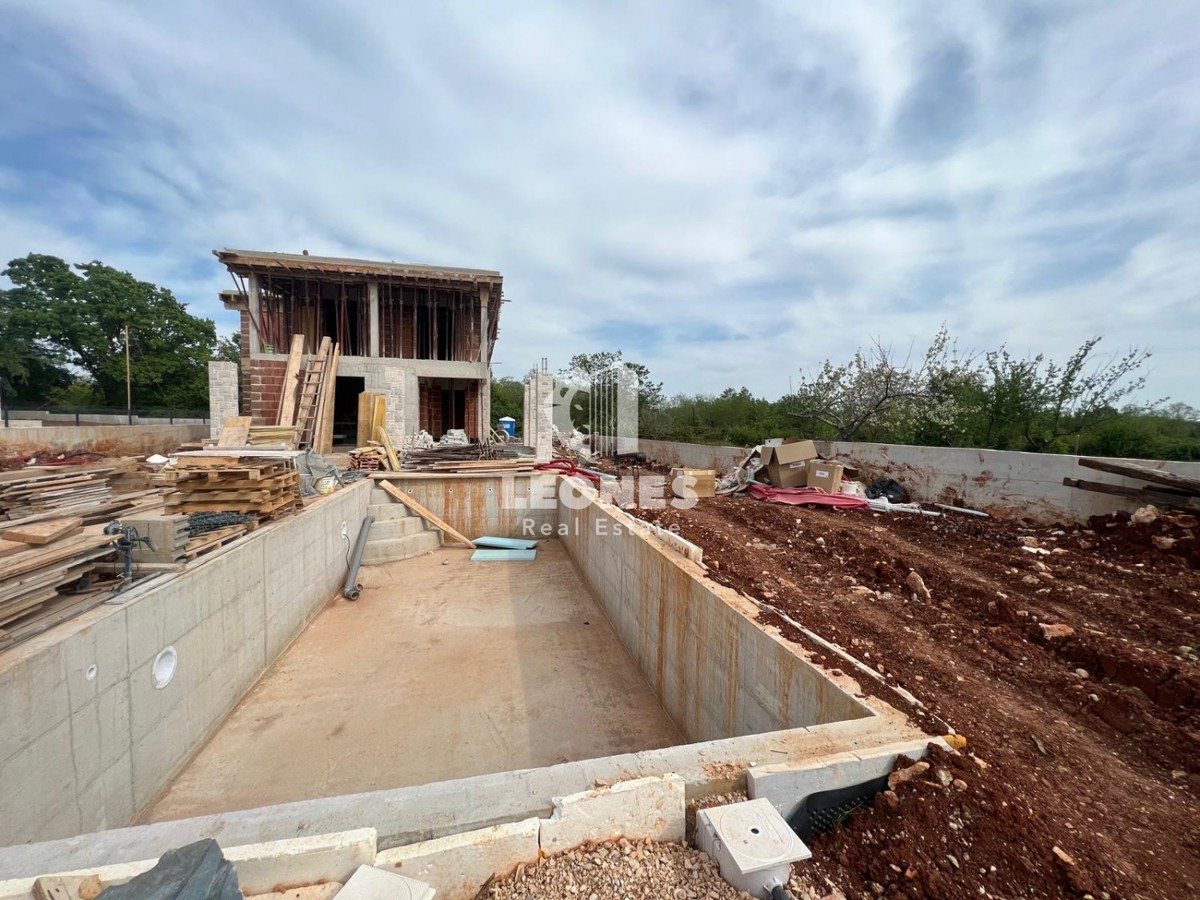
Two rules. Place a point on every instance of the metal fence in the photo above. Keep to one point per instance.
(56, 414)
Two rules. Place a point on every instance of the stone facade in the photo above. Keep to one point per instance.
(222, 394)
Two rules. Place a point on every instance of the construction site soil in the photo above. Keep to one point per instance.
(1065, 656)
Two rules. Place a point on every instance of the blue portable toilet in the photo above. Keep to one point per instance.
(509, 426)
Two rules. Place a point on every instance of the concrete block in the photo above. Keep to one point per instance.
(369, 883)
(159, 752)
(108, 801)
(788, 786)
(280, 865)
(146, 633)
(457, 866)
(101, 644)
(650, 808)
(33, 695)
(38, 789)
(100, 733)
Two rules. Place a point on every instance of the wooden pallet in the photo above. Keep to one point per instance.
(211, 540)
(219, 468)
(261, 509)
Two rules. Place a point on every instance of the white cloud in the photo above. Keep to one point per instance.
(796, 178)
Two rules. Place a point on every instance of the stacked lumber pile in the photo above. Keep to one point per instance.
(272, 435)
(96, 492)
(369, 459)
(1164, 488)
(264, 487)
(469, 458)
(39, 560)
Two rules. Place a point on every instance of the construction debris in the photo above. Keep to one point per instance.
(96, 492)
(469, 458)
(31, 579)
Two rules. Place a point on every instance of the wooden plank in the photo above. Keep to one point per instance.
(323, 441)
(425, 513)
(40, 557)
(366, 417)
(7, 547)
(1146, 495)
(235, 431)
(392, 459)
(1145, 473)
(291, 381)
(44, 532)
(53, 613)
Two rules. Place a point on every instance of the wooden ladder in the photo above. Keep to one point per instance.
(311, 391)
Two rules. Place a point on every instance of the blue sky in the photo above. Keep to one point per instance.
(727, 192)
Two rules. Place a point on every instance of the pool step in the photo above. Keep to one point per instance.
(383, 550)
(397, 533)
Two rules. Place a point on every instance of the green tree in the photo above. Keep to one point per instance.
(1039, 404)
(585, 366)
(878, 393)
(508, 399)
(74, 319)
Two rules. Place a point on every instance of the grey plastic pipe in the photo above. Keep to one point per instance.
(352, 590)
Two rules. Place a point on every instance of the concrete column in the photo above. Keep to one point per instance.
(222, 394)
(484, 294)
(485, 409)
(539, 415)
(255, 314)
(373, 321)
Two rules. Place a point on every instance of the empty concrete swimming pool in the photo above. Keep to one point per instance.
(452, 696)
(444, 668)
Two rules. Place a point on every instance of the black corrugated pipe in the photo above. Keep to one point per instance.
(351, 590)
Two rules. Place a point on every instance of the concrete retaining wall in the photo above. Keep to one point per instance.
(1028, 485)
(717, 673)
(693, 456)
(86, 418)
(79, 755)
(1000, 481)
(132, 440)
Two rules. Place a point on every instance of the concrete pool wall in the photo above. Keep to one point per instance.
(83, 749)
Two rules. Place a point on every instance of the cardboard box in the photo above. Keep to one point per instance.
(787, 464)
(825, 475)
(701, 482)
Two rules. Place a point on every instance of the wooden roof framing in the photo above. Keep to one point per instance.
(243, 262)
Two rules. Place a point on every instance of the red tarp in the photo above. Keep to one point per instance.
(806, 496)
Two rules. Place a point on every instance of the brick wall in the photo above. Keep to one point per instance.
(265, 387)
(471, 423)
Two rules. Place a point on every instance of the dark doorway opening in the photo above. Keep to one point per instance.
(454, 408)
(345, 408)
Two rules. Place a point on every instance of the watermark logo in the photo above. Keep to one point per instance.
(597, 419)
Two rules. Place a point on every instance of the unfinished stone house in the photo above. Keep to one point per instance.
(422, 335)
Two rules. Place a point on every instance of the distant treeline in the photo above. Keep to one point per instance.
(936, 397)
